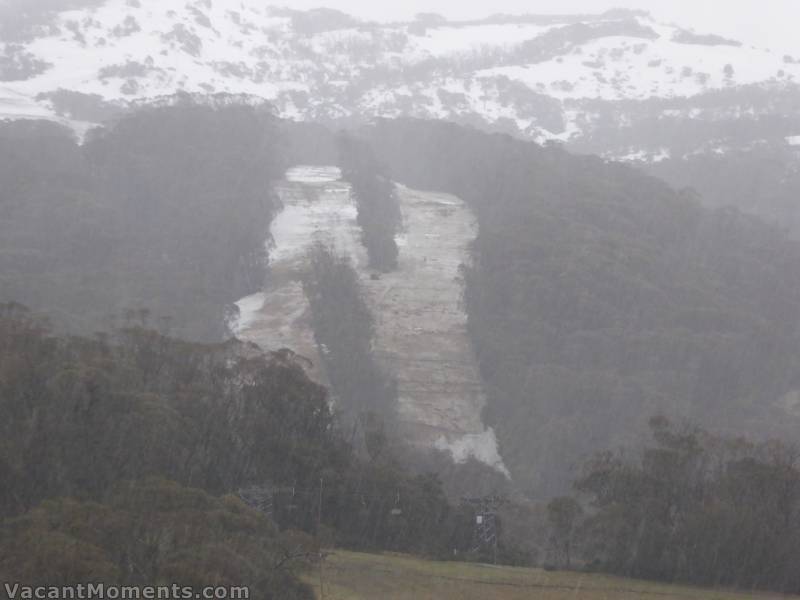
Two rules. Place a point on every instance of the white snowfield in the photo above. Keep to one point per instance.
(421, 337)
(15, 106)
(317, 67)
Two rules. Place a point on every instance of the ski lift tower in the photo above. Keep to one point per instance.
(485, 526)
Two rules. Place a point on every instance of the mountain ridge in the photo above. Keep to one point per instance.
(550, 78)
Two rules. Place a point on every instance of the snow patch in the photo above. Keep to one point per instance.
(420, 325)
(316, 209)
(15, 107)
(421, 329)
(312, 174)
(443, 41)
(480, 446)
(248, 313)
(650, 156)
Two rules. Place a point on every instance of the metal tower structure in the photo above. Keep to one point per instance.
(485, 532)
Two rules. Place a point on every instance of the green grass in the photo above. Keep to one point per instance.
(354, 576)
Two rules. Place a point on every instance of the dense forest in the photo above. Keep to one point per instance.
(599, 297)
(145, 214)
(761, 180)
(134, 432)
(344, 329)
(692, 507)
(155, 433)
(378, 210)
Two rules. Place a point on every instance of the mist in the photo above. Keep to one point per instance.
(442, 300)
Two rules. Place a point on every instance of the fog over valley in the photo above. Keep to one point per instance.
(443, 300)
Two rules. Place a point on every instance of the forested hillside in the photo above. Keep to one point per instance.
(130, 449)
(600, 297)
(296, 300)
(165, 210)
(597, 297)
(693, 507)
(762, 179)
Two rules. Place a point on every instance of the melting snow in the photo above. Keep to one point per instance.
(421, 334)
(316, 208)
(248, 313)
(312, 174)
(480, 446)
(420, 324)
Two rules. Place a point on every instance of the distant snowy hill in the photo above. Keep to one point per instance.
(619, 84)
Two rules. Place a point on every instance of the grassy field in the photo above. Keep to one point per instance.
(353, 576)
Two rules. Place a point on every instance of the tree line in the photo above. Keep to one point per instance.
(344, 329)
(165, 209)
(132, 449)
(691, 507)
(378, 210)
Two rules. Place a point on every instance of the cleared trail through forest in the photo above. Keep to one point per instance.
(421, 327)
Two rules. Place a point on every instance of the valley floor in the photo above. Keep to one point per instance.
(355, 576)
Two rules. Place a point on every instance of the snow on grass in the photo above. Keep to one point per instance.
(225, 59)
(444, 41)
(620, 67)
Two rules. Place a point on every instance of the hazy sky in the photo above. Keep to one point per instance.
(774, 23)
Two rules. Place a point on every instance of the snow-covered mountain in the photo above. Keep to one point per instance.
(562, 78)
